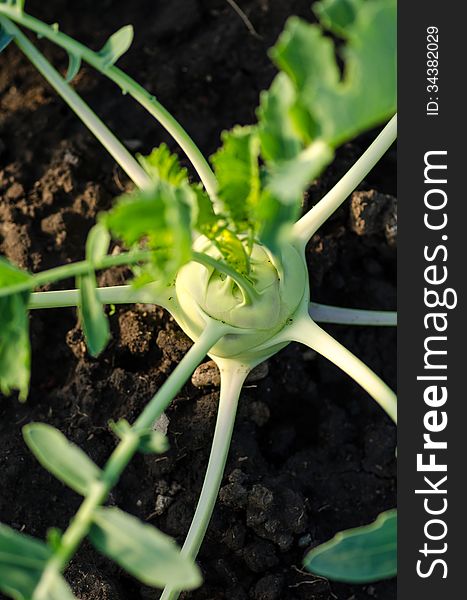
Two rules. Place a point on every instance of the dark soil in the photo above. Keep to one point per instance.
(311, 453)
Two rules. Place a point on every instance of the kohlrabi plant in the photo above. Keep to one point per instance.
(226, 258)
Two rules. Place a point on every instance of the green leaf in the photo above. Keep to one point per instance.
(22, 560)
(74, 65)
(142, 550)
(117, 44)
(366, 95)
(91, 310)
(56, 588)
(359, 555)
(280, 139)
(97, 243)
(5, 38)
(337, 15)
(62, 458)
(161, 164)
(54, 538)
(18, 4)
(214, 227)
(15, 350)
(237, 171)
(92, 315)
(160, 220)
(151, 441)
(287, 179)
(310, 109)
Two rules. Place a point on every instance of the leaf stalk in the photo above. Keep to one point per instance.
(110, 142)
(121, 456)
(233, 375)
(307, 226)
(127, 85)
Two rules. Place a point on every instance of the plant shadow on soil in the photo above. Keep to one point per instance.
(311, 453)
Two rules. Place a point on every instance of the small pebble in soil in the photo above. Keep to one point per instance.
(207, 374)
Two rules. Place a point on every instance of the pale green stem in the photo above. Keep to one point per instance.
(80, 524)
(118, 294)
(305, 331)
(115, 148)
(325, 313)
(74, 269)
(128, 85)
(233, 375)
(307, 226)
(115, 294)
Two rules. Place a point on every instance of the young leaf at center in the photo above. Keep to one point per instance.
(117, 44)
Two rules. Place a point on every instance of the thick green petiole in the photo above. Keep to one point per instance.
(118, 294)
(305, 331)
(307, 226)
(115, 148)
(74, 269)
(115, 294)
(127, 85)
(324, 313)
(121, 456)
(233, 375)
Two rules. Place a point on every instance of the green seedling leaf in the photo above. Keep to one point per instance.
(18, 4)
(54, 538)
(56, 588)
(22, 560)
(153, 442)
(15, 350)
(283, 187)
(287, 179)
(117, 44)
(142, 550)
(92, 313)
(215, 228)
(310, 109)
(237, 171)
(365, 96)
(121, 428)
(164, 167)
(74, 65)
(5, 38)
(161, 164)
(280, 138)
(97, 243)
(62, 458)
(160, 220)
(359, 555)
(337, 15)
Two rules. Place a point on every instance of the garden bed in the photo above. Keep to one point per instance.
(312, 454)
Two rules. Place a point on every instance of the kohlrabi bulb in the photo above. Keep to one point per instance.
(204, 291)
